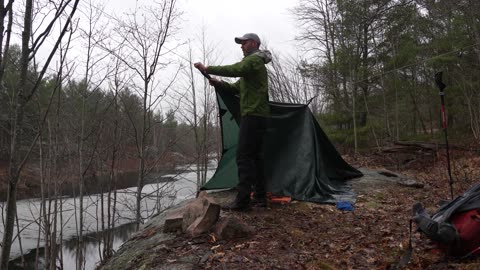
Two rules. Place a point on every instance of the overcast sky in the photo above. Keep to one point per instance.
(225, 19)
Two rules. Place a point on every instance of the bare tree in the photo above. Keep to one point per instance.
(287, 82)
(116, 85)
(198, 105)
(5, 33)
(93, 77)
(25, 93)
(143, 34)
(50, 157)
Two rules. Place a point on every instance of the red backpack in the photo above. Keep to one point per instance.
(468, 230)
(455, 227)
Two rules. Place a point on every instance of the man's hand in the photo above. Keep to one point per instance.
(215, 82)
(200, 67)
(203, 68)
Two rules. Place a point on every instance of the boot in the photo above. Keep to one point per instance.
(237, 206)
(241, 203)
(259, 201)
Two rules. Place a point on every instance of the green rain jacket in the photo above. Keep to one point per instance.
(252, 85)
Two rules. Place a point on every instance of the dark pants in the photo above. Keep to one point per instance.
(250, 157)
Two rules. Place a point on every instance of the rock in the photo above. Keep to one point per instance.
(206, 256)
(204, 223)
(200, 215)
(231, 227)
(410, 183)
(174, 221)
(388, 173)
(400, 179)
(193, 210)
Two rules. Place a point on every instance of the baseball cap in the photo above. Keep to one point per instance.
(248, 36)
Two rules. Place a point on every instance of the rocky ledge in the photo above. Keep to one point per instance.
(193, 233)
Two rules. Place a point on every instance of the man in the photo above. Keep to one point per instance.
(253, 90)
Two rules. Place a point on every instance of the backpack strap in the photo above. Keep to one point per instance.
(439, 231)
(471, 253)
(446, 211)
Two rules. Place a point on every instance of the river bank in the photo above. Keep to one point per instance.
(92, 244)
(30, 188)
(168, 190)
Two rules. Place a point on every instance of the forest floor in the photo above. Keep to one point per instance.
(373, 236)
(302, 235)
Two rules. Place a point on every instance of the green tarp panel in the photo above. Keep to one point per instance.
(300, 161)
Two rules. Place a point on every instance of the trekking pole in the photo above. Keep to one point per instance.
(441, 86)
(207, 76)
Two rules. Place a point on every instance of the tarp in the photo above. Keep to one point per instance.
(300, 160)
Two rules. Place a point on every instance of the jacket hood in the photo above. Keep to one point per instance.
(266, 55)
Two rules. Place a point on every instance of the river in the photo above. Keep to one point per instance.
(171, 193)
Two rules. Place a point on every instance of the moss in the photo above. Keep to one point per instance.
(302, 206)
(317, 264)
(296, 233)
(372, 205)
(379, 196)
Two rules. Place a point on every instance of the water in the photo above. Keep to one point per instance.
(171, 193)
(69, 249)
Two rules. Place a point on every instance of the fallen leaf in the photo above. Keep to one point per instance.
(212, 238)
(240, 246)
(214, 247)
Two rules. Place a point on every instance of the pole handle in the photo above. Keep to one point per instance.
(206, 75)
(439, 82)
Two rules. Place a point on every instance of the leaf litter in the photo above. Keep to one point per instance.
(303, 235)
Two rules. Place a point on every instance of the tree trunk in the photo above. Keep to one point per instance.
(15, 155)
(9, 222)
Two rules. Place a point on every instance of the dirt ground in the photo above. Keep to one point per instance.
(303, 235)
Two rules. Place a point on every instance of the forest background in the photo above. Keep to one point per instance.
(133, 101)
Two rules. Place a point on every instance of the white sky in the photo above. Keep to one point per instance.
(225, 19)
(222, 21)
